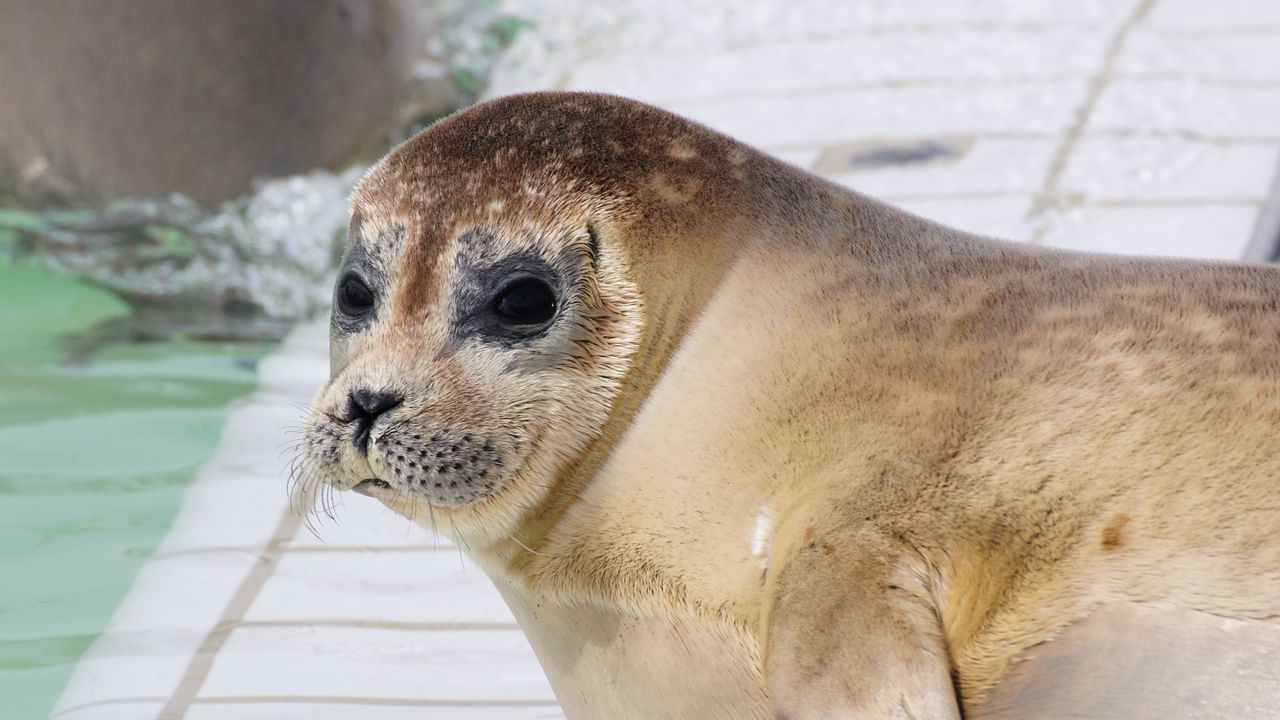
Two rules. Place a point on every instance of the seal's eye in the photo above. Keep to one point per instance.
(528, 301)
(354, 297)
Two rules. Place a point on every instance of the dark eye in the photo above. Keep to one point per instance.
(529, 301)
(354, 297)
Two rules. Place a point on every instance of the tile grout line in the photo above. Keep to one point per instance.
(1058, 165)
(359, 700)
(106, 702)
(316, 700)
(860, 87)
(1118, 202)
(202, 661)
(683, 102)
(1228, 31)
(1189, 136)
(404, 626)
(306, 550)
(977, 27)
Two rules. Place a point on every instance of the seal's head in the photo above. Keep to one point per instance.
(505, 270)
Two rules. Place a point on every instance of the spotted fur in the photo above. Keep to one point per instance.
(795, 452)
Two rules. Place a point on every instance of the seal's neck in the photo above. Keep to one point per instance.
(675, 285)
(679, 257)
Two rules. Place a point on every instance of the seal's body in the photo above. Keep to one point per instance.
(736, 442)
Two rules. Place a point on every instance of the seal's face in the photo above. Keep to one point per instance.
(466, 369)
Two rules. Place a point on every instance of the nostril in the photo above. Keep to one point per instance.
(363, 408)
(371, 404)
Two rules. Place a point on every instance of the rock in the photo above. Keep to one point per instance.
(140, 98)
(245, 272)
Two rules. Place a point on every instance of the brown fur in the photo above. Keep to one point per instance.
(865, 458)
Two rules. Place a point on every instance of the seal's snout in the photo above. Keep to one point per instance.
(363, 408)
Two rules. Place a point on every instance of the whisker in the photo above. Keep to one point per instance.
(521, 544)
(413, 508)
(329, 503)
(462, 541)
(435, 532)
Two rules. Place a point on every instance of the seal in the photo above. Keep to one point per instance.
(734, 441)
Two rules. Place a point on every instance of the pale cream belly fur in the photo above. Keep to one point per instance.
(659, 666)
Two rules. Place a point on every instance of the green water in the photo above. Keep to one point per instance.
(96, 448)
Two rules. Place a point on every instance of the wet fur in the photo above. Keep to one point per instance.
(956, 446)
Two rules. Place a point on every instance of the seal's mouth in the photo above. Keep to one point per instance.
(370, 487)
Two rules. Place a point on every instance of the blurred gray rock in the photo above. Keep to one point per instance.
(245, 272)
(138, 98)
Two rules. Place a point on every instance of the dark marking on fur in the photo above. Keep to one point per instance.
(593, 248)
(364, 260)
(1113, 535)
(479, 275)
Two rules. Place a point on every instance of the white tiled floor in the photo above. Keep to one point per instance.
(1142, 169)
(990, 165)
(1108, 125)
(1197, 16)
(1003, 217)
(845, 115)
(1238, 58)
(1173, 230)
(466, 665)
(1185, 107)
(405, 586)
(893, 57)
(230, 709)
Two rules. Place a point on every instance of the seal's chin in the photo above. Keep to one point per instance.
(371, 487)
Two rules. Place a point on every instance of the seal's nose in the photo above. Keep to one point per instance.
(373, 404)
(363, 408)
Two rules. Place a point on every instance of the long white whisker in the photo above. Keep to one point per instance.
(462, 541)
(521, 544)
